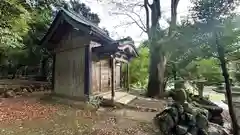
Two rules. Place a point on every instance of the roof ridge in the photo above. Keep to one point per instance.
(79, 16)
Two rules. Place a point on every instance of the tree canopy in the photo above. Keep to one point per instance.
(24, 23)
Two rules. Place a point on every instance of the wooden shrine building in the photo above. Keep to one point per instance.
(86, 61)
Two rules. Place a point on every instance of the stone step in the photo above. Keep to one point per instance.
(117, 96)
(126, 99)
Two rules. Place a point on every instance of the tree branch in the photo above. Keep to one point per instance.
(129, 5)
(174, 4)
(146, 5)
(162, 41)
(124, 24)
(134, 20)
(141, 21)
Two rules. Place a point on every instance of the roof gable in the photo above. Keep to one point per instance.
(77, 21)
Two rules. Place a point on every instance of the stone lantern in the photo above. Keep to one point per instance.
(200, 86)
(179, 84)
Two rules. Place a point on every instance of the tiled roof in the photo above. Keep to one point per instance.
(75, 19)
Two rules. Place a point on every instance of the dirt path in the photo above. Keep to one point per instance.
(64, 120)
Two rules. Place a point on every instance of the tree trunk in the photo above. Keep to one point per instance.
(161, 72)
(153, 81)
(200, 87)
(225, 74)
(165, 83)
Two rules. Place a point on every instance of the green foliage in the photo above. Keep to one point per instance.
(13, 24)
(79, 7)
(139, 69)
(207, 69)
(219, 32)
(24, 23)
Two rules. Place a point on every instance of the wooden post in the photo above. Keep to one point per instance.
(112, 77)
(53, 71)
(128, 80)
(88, 70)
(121, 80)
(100, 78)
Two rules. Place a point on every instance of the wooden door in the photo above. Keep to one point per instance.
(96, 77)
(117, 75)
(105, 76)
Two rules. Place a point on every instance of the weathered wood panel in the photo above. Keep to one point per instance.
(117, 76)
(101, 76)
(69, 73)
(69, 65)
(72, 41)
(105, 76)
(96, 77)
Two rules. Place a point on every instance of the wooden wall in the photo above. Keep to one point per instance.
(69, 65)
(118, 76)
(101, 76)
(69, 68)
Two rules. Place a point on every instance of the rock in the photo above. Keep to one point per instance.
(2, 95)
(201, 121)
(9, 94)
(18, 93)
(217, 120)
(174, 114)
(215, 129)
(204, 112)
(228, 127)
(18, 90)
(2, 90)
(164, 122)
(202, 132)
(32, 88)
(182, 119)
(29, 89)
(41, 88)
(179, 107)
(181, 129)
(193, 130)
(15, 89)
(179, 95)
(190, 119)
(189, 108)
(24, 90)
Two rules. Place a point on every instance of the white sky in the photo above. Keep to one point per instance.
(109, 21)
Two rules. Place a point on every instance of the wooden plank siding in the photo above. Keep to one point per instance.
(96, 77)
(118, 76)
(69, 65)
(101, 73)
(101, 76)
(70, 73)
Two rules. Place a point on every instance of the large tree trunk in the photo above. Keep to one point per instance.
(161, 72)
(227, 87)
(153, 81)
(157, 59)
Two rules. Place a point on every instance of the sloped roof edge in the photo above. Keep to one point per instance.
(74, 20)
(128, 43)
